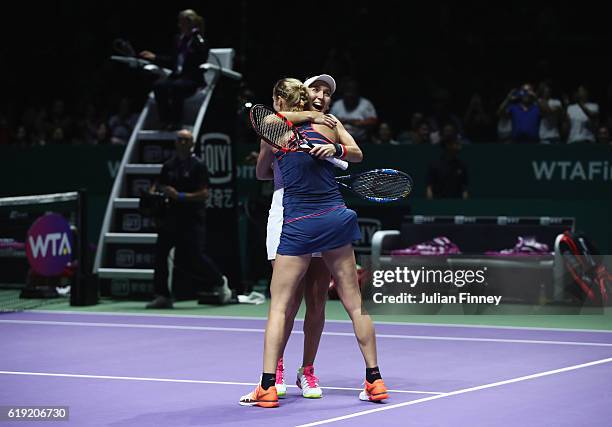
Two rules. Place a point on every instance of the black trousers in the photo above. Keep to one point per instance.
(189, 239)
(170, 95)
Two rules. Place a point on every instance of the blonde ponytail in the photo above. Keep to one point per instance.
(293, 92)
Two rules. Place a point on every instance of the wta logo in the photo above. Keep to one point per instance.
(49, 245)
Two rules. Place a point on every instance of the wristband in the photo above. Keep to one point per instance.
(339, 150)
(181, 196)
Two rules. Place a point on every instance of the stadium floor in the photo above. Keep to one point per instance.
(335, 311)
(117, 364)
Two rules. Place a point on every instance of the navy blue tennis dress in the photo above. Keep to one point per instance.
(315, 218)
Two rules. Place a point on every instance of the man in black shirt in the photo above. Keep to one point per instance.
(184, 180)
(190, 51)
(447, 177)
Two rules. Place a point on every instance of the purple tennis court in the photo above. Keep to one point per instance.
(139, 370)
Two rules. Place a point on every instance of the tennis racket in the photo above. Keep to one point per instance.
(276, 130)
(378, 185)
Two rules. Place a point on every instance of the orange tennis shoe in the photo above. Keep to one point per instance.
(260, 397)
(374, 392)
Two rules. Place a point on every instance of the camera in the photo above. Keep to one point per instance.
(520, 93)
(153, 204)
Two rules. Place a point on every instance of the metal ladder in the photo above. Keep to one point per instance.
(138, 168)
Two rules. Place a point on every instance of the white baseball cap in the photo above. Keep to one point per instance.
(326, 78)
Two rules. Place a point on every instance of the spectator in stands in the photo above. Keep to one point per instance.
(582, 117)
(38, 137)
(477, 122)
(57, 136)
(384, 135)
(552, 115)
(405, 136)
(441, 104)
(356, 112)
(39, 132)
(102, 134)
(59, 123)
(504, 129)
(88, 124)
(524, 113)
(603, 135)
(29, 118)
(450, 134)
(122, 124)
(447, 177)
(21, 138)
(418, 133)
(191, 50)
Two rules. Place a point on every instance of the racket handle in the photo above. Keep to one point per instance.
(342, 164)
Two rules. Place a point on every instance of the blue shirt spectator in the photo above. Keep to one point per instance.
(523, 112)
(525, 122)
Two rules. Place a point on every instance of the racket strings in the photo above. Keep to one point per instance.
(382, 185)
(272, 128)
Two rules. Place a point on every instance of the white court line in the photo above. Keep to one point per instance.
(172, 380)
(340, 334)
(457, 392)
(381, 322)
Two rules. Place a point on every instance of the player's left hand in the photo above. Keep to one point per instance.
(323, 150)
(326, 120)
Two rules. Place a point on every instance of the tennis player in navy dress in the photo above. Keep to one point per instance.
(314, 288)
(315, 216)
(315, 219)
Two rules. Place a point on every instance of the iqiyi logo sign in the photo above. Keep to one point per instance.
(49, 245)
(217, 148)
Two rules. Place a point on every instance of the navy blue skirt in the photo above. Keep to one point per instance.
(319, 232)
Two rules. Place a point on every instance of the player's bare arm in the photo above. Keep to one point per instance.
(263, 169)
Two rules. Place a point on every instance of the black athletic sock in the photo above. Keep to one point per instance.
(267, 380)
(373, 374)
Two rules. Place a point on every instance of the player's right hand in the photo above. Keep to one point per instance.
(148, 55)
(321, 151)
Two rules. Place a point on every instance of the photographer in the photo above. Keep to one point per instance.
(521, 108)
(184, 181)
